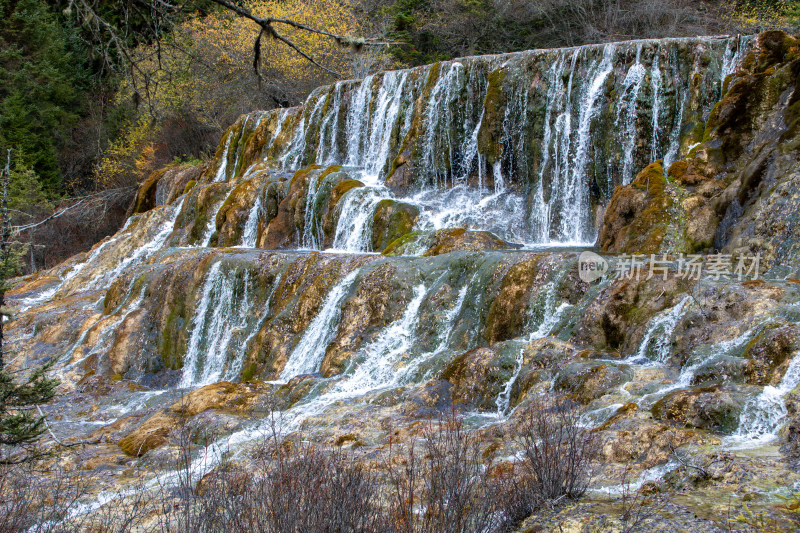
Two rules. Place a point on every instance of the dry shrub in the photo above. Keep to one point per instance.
(441, 483)
(557, 449)
(308, 489)
(446, 488)
(36, 499)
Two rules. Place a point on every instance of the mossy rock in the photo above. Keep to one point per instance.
(445, 241)
(509, 311)
(479, 376)
(146, 195)
(637, 217)
(590, 380)
(769, 353)
(490, 133)
(392, 220)
(713, 408)
(449, 240)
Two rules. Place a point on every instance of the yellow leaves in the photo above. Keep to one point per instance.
(207, 68)
(229, 39)
(204, 72)
(759, 15)
(125, 161)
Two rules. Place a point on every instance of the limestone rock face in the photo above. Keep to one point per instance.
(164, 186)
(769, 354)
(635, 439)
(222, 398)
(391, 221)
(714, 408)
(478, 377)
(445, 241)
(735, 191)
(587, 381)
(638, 216)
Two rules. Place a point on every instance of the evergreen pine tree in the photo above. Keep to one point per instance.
(20, 423)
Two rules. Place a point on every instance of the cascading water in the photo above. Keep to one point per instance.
(250, 232)
(655, 345)
(626, 112)
(220, 319)
(764, 415)
(312, 239)
(307, 356)
(354, 231)
(554, 148)
(545, 316)
(572, 194)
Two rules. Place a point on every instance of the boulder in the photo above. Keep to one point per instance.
(769, 354)
(714, 408)
(238, 399)
(392, 220)
(444, 241)
(589, 380)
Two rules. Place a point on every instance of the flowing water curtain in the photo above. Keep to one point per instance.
(554, 130)
(222, 319)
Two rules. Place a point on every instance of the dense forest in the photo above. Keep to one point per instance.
(89, 109)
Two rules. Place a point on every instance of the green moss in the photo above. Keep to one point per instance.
(490, 132)
(146, 195)
(397, 246)
(249, 372)
(171, 345)
(230, 200)
(189, 186)
(392, 220)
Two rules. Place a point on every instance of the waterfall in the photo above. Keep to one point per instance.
(763, 415)
(235, 368)
(573, 194)
(544, 316)
(382, 121)
(377, 369)
(696, 361)
(141, 251)
(655, 344)
(328, 131)
(626, 112)
(312, 232)
(658, 94)
(221, 316)
(438, 118)
(356, 210)
(250, 232)
(555, 130)
(223, 163)
(309, 353)
(540, 208)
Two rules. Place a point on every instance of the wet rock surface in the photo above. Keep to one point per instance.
(255, 286)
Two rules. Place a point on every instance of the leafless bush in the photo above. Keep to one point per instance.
(449, 487)
(636, 505)
(126, 511)
(441, 483)
(37, 501)
(288, 488)
(557, 450)
(306, 489)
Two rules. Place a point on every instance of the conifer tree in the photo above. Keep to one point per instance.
(20, 392)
